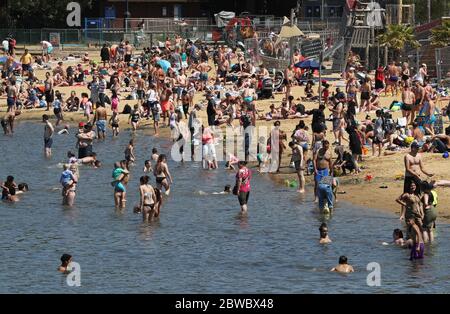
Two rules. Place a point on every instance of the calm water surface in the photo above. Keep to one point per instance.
(199, 245)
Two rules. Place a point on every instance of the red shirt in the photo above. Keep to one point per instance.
(245, 174)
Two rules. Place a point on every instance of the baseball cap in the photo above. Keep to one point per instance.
(227, 95)
(415, 145)
(81, 124)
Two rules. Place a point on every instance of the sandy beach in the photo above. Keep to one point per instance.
(387, 171)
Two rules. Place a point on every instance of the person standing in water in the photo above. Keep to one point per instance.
(100, 118)
(297, 158)
(155, 154)
(48, 136)
(69, 181)
(242, 188)
(323, 165)
(120, 179)
(66, 259)
(343, 266)
(129, 153)
(147, 199)
(324, 239)
(418, 246)
(162, 174)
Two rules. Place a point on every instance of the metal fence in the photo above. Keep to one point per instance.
(443, 63)
(154, 30)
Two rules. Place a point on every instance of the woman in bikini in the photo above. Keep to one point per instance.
(162, 174)
(147, 199)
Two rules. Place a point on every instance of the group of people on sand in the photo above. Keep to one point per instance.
(163, 82)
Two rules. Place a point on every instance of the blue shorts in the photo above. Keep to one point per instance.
(11, 102)
(101, 126)
(49, 50)
(248, 99)
(321, 173)
(119, 187)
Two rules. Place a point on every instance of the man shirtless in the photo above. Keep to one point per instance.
(128, 52)
(419, 93)
(140, 86)
(203, 68)
(11, 94)
(414, 163)
(323, 165)
(343, 266)
(394, 75)
(224, 67)
(409, 100)
(48, 136)
(101, 117)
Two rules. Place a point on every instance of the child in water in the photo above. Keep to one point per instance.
(148, 166)
(398, 237)
(324, 238)
(129, 154)
(67, 179)
(114, 121)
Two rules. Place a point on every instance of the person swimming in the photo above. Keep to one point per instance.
(66, 259)
(226, 190)
(397, 236)
(9, 188)
(324, 238)
(343, 266)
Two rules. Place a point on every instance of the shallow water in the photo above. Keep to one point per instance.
(199, 245)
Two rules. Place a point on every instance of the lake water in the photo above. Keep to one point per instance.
(199, 245)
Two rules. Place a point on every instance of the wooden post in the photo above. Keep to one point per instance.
(400, 11)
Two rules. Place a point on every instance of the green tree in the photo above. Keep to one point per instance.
(441, 36)
(397, 37)
(42, 13)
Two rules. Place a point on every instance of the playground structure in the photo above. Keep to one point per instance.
(237, 29)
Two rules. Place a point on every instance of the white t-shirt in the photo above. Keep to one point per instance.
(5, 45)
(152, 96)
(46, 44)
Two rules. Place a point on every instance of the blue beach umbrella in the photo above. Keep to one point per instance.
(308, 64)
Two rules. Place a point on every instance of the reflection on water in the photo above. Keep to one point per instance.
(200, 243)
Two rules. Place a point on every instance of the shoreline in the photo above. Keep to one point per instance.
(350, 186)
(357, 190)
